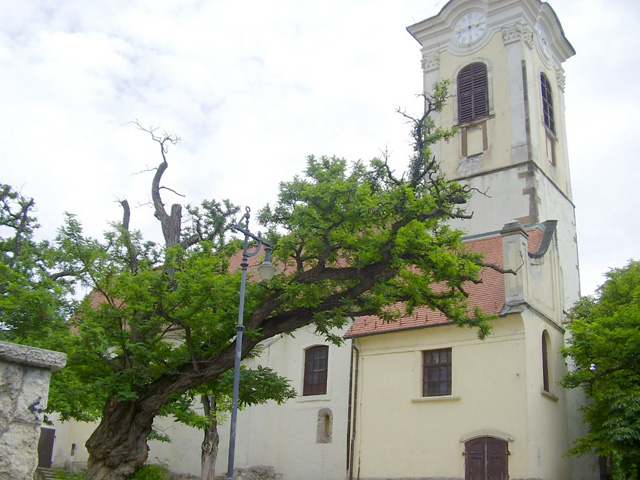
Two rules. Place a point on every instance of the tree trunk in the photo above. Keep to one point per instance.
(210, 442)
(119, 445)
(606, 467)
(209, 453)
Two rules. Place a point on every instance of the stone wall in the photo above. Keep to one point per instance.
(24, 387)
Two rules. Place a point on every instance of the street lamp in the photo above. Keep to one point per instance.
(266, 271)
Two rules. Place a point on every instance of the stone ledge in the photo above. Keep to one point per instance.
(32, 356)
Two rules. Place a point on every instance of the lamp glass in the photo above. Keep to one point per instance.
(267, 271)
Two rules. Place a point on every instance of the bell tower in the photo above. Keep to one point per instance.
(504, 61)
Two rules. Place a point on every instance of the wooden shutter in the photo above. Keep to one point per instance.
(473, 93)
(475, 459)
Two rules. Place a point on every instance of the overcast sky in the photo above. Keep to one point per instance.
(252, 87)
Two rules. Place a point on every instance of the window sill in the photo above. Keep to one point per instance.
(548, 395)
(439, 398)
(550, 132)
(313, 398)
(476, 121)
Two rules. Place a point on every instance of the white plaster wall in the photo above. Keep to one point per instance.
(68, 434)
(282, 436)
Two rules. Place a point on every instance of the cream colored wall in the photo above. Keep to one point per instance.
(496, 390)
(401, 434)
(182, 453)
(67, 434)
(547, 420)
(513, 193)
(499, 128)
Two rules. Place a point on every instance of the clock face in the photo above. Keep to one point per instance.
(470, 27)
(544, 40)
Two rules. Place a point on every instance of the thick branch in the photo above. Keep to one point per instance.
(131, 249)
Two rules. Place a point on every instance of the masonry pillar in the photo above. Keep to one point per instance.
(25, 373)
(515, 257)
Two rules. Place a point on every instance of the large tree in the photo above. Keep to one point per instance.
(34, 290)
(604, 346)
(353, 239)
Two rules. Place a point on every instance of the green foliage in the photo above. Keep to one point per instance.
(150, 472)
(33, 290)
(257, 386)
(355, 239)
(65, 475)
(158, 328)
(605, 348)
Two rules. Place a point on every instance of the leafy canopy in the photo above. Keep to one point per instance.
(352, 238)
(34, 294)
(605, 348)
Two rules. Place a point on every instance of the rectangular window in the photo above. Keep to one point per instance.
(473, 93)
(316, 367)
(551, 148)
(436, 372)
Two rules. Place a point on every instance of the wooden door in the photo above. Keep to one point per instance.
(45, 447)
(486, 459)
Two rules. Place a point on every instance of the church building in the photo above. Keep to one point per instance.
(422, 399)
(431, 401)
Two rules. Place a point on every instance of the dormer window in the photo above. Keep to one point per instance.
(473, 93)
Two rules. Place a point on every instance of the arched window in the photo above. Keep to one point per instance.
(316, 366)
(545, 361)
(473, 93)
(325, 426)
(547, 103)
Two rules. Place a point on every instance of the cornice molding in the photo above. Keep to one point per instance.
(517, 32)
(561, 79)
(430, 61)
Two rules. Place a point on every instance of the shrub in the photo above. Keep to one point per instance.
(149, 472)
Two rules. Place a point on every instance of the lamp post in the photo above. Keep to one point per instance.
(266, 270)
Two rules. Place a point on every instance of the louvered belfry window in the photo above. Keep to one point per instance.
(547, 103)
(473, 93)
(316, 366)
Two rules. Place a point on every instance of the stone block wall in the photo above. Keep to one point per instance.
(24, 388)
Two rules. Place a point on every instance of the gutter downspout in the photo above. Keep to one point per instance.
(353, 397)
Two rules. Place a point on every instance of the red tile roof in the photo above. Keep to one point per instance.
(488, 295)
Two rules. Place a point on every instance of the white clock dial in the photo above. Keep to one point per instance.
(470, 27)
(544, 40)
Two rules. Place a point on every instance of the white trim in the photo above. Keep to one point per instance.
(487, 433)
(438, 398)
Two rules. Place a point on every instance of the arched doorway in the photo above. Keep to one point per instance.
(486, 459)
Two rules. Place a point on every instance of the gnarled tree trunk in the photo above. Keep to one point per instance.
(119, 445)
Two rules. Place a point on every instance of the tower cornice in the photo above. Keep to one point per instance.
(437, 33)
